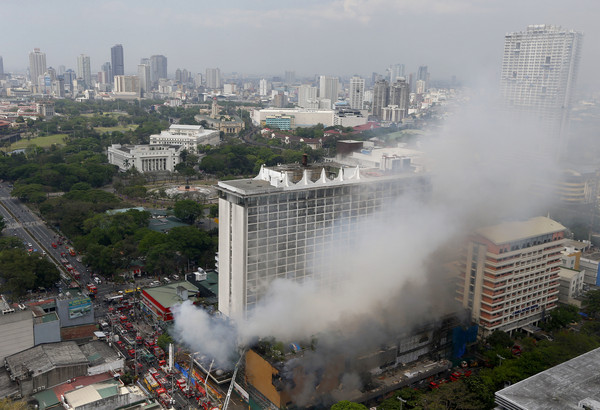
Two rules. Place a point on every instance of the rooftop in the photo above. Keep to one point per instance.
(98, 352)
(560, 387)
(45, 357)
(518, 230)
(167, 295)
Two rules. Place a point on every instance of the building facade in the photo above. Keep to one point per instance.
(127, 84)
(116, 58)
(84, 70)
(188, 136)
(329, 88)
(285, 223)
(381, 94)
(145, 158)
(308, 97)
(213, 78)
(539, 72)
(302, 117)
(37, 65)
(357, 92)
(158, 68)
(509, 274)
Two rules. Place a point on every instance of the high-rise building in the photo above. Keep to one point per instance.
(357, 92)
(400, 96)
(84, 70)
(158, 68)
(290, 77)
(539, 71)
(1, 68)
(263, 87)
(396, 71)
(381, 94)
(144, 78)
(116, 58)
(509, 274)
(37, 65)
(289, 221)
(107, 72)
(423, 75)
(213, 78)
(127, 84)
(329, 88)
(307, 97)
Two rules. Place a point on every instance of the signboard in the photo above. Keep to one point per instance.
(79, 307)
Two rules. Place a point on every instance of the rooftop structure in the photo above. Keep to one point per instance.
(570, 385)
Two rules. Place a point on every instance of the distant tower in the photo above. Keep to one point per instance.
(213, 78)
(106, 68)
(144, 76)
(381, 92)
(37, 65)
(1, 68)
(308, 96)
(290, 77)
(539, 71)
(396, 71)
(400, 95)
(329, 88)
(357, 92)
(158, 68)
(116, 58)
(84, 70)
(263, 87)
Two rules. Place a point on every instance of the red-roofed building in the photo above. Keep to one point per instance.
(366, 127)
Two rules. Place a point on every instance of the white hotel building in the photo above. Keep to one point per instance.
(287, 222)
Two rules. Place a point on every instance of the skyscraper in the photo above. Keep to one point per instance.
(37, 65)
(381, 95)
(399, 95)
(290, 77)
(1, 68)
(263, 87)
(539, 71)
(307, 97)
(106, 68)
(357, 92)
(144, 77)
(84, 70)
(213, 78)
(329, 88)
(116, 58)
(396, 70)
(158, 68)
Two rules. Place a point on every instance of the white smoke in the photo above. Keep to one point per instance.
(483, 171)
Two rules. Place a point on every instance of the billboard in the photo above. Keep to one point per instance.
(80, 307)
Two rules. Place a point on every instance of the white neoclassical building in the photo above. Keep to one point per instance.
(188, 136)
(145, 158)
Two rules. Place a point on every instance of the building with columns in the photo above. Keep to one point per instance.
(145, 158)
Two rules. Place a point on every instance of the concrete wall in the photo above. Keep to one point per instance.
(108, 366)
(62, 309)
(46, 332)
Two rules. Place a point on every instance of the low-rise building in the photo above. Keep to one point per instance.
(16, 329)
(157, 302)
(109, 394)
(188, 136)
(302, 117)
(145, 158)
(570, 287)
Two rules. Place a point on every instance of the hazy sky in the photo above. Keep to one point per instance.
(340, 37)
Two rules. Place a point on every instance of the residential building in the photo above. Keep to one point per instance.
(263, 87)
(188, 136)
(381, 94)
(509, 274)
(357, 92)
(1, 68)
(537, 81)
(158, 68)
(329, 88)
(423, 75)
(213, 78)
(145, 158)
(116, 58)
(107, 72)
(400, 96)
(287, 222)
(37, 65)
(84, 70)
(308, 97)
(570, 287)
(280, 100)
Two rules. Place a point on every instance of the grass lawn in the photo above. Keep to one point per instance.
(43, 142)
(119, 128)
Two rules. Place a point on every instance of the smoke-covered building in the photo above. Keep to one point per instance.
(288, 221)
(509, 274)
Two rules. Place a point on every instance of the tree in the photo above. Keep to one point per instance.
(591, 302)
(348, 405)
(8, 404)
(500, 339)
(2, 223)
(164, 340)
(187, 210)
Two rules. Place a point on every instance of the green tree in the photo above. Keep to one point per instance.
(591, 302)
(164, 340)
(500, 339)
(187, 210)
(348, 405)
(2, 223)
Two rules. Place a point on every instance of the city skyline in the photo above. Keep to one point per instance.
(470, 52)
